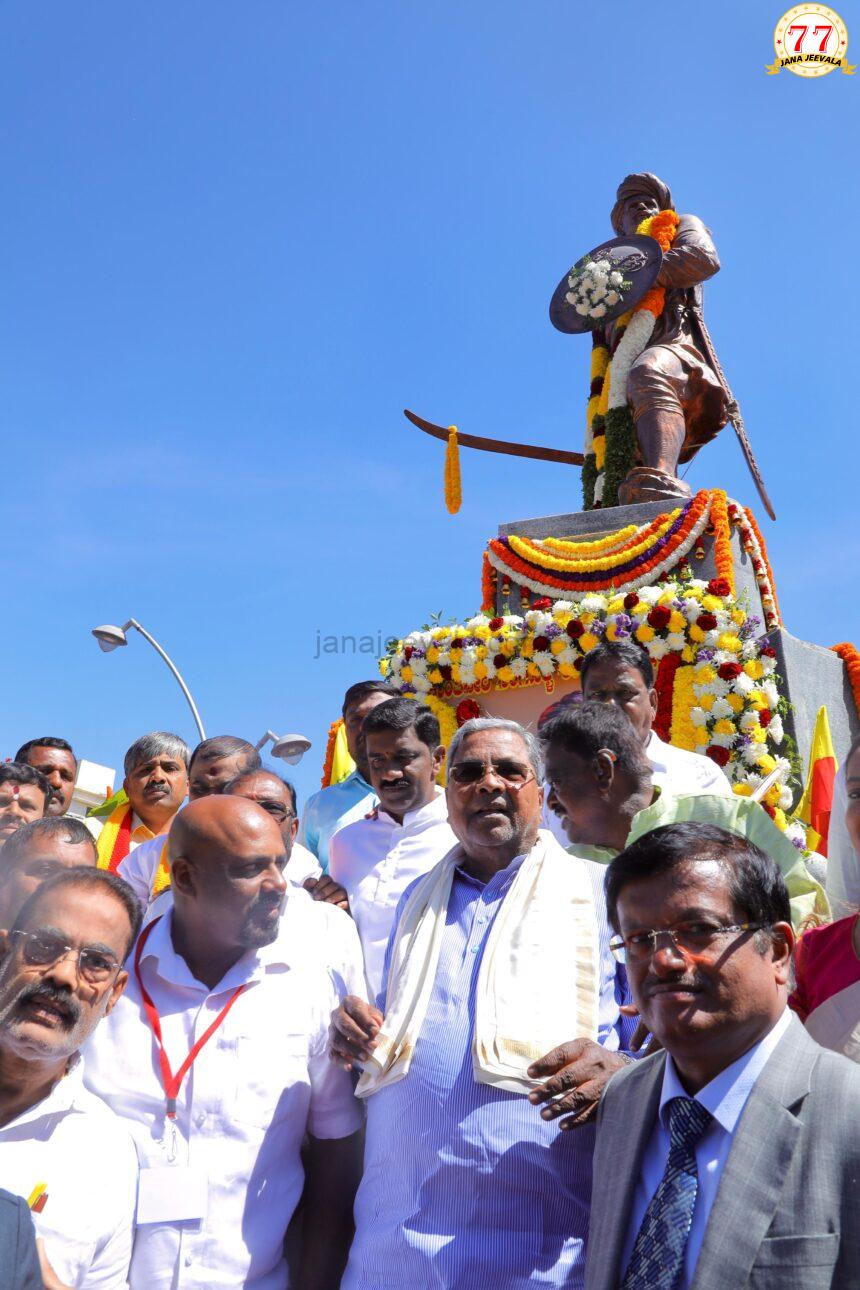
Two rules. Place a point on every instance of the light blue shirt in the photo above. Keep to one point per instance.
(329, 809)
(465, 1187)
(725, 1097)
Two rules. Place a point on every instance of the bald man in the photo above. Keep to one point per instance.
(236, 968)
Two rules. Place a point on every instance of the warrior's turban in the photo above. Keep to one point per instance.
(634, 186)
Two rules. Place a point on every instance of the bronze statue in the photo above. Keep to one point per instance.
(676, 396)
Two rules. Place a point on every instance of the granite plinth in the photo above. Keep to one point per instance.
(594, 524)
(813, 677)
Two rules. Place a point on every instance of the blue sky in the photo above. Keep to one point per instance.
(238, 239)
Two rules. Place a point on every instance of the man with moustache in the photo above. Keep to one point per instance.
(24, 797)
(35, 853)
(217, 1064)
(602, 784)
(55, 758)
(64, 1151)
(212, 765)
(494, 955)
(731, 1158)
(329, 809)
(155, 784)
(404, 836)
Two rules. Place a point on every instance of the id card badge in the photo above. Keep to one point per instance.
(172, 1194)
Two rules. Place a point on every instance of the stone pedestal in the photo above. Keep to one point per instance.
(812, 677)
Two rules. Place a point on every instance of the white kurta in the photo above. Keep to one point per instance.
(375, 859)
(681, 772)
(75, 1146)
(260, 1083)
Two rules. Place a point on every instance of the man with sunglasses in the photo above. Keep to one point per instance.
(61, 1148)
(732, 1158)
(496, 955)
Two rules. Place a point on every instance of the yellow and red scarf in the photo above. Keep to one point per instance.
(114, 842)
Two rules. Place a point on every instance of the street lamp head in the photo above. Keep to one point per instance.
(109, 637)
(289, 748)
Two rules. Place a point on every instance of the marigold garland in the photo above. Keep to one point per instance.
(540, 574)
(723, 559)
(453, 487)
(329, 751)
(489, 584)
(851, 658)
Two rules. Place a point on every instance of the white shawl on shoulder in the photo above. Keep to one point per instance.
(538, 983)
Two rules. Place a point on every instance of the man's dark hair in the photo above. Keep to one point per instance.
(627, 653)
(64, 827)
(264, 770)
(404, 714)
(227, 746)
(756, 886)
(94, 880)
(20, 772)
(585, 728)
(49, 741)
(362, 689)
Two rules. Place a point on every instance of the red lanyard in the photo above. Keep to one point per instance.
(170, 1082)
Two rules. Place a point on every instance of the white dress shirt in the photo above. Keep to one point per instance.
(725, 1097)
(262, 1081)
(74, 1146)
(681, 772)
(375, 859)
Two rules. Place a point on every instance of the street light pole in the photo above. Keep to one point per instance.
(109, 637)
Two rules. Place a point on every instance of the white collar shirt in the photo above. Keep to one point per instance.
(258, 1085)
(376, 859)
(681, 772)
(725, 1097)
(74, 1147)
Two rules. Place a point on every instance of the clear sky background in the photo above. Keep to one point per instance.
(237, 239)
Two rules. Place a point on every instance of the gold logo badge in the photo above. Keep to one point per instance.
(810, 40)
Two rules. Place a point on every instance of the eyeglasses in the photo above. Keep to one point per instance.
(469, 772)
(277, 812)
(687, 938)
(44, 949)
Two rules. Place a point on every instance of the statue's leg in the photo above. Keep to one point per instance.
(654, 390)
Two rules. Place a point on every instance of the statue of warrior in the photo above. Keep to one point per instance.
(677, 399)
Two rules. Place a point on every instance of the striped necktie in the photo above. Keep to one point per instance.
(657, 1261)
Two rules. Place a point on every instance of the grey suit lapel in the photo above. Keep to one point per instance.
(758, 1161)
(621, 1141)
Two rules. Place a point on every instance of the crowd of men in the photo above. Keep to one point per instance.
(529, 1029)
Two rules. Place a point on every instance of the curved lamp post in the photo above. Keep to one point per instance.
(290, 748)
(111, 637)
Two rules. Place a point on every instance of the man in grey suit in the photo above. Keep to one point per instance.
(732, 1159)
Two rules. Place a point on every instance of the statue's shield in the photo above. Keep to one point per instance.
(605, 283)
